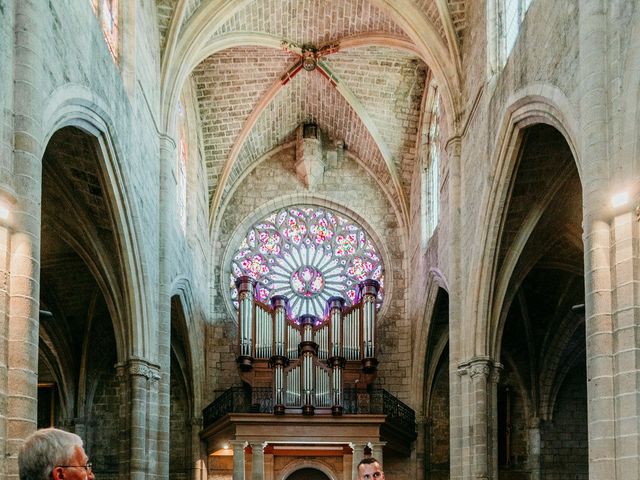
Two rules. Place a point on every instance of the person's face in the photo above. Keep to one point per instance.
(371, 471)
(75, 467)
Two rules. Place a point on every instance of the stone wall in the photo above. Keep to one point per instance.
(345, 187)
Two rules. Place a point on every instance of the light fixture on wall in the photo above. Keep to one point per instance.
(620, 199)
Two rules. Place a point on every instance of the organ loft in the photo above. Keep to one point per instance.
(307, 379)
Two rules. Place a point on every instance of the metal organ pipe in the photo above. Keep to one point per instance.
(280, 307)
(246, 287)
(369, 289)
(335, 318)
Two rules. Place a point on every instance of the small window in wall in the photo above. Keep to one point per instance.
(46, 405)
(431, 164)
(181, 170)
(107, 13)
(510, 14)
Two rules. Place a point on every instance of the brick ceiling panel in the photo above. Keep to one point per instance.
(430, 9)
(310, 21)
(390, 84)
(458, 17)
(309, 97)
(229, 85)
(72, 152)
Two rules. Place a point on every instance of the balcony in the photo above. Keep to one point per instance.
(375, 409)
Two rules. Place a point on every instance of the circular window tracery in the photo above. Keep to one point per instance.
(307, 254)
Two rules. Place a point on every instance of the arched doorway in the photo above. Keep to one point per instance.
(308, 474)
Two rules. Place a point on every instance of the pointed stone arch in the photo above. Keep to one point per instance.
(537, 104)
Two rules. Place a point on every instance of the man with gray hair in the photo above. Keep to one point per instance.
(50, 453)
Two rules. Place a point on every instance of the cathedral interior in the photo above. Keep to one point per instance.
(265, 239)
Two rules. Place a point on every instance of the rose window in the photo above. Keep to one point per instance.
(307, 254)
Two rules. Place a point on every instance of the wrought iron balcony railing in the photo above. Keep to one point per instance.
(260, 400)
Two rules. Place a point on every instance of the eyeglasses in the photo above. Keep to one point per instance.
(88, 467)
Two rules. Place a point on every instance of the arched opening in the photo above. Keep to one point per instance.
(80, 296)
(308, 474)
(437, 391)
(180, 435)
(542, 401)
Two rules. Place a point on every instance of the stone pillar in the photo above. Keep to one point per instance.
(24, 278)
(167, 216)
(257, 460)
(358, 454)
(592, 36)
(456, 314)
(194, 453)
(534, 442)
(422, 446)
(238, 458)
(143, 378)
(480, 440)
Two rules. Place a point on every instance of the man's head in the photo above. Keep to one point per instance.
(53, 454)
(370, 469)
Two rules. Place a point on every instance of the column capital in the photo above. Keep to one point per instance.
(139, 367)
(484, 367)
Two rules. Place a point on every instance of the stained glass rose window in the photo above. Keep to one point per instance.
(307, 254)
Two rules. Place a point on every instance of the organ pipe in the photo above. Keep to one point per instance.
(246, 286)
(268, 333)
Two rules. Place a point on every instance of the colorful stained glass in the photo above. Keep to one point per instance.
(307, 254)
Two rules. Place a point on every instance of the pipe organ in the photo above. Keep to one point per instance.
(308, 360)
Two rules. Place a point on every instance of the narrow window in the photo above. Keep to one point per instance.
(107, 13)
(510, 16)
(431, 164)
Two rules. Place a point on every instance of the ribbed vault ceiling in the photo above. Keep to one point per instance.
(374, 104)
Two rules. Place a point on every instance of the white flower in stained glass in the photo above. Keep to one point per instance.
(307, 254)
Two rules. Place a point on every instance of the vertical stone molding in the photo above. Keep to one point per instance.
(456, 313)
(625, 258)
(357, 456)
(167, 220)
(238, 458)
(24, 279)
(257, 460)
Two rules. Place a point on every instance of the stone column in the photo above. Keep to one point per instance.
(480, 444)
(592, 36)
(422, 446)
(194, 452)
(142, 376)
(166, 220)
(238, 458)
(456, 314)
(24, 268)
(534, 441)
(257, 460)
(7, 36)
(358, 454)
